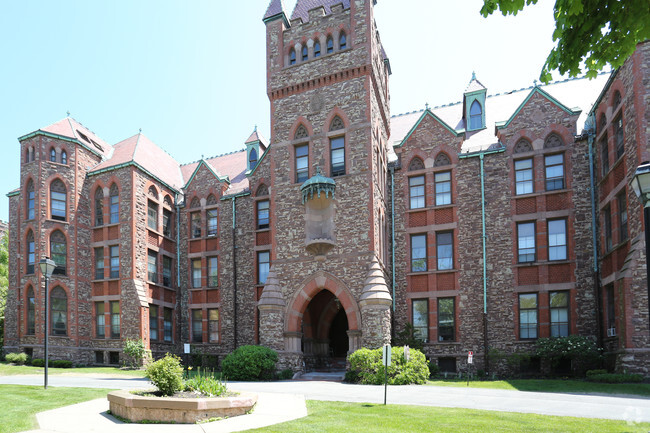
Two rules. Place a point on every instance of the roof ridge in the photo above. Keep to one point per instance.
(212, 157)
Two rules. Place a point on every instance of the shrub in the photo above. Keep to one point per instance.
(581, 351)
(166, 374)
(614, 378)
(434, 370)
(61, 363)
(250, 363)
(16, 358)
(595, 372)
(368, 368)
(135, 350)
(206, 384)
(285, 374)
(40, 362)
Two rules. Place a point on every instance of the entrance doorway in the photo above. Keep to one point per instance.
(325, 340)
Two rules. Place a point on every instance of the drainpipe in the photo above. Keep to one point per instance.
(178, 243)
(484, 238)
(392, 233)
(234, 267)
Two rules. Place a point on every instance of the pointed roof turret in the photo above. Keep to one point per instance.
(276, 10)
(474, 85)
(272, 293)
(375, 290)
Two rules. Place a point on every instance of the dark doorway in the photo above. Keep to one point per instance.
(338, 335)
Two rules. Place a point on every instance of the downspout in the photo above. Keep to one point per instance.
(234, 269)
(392, 232)
(178, 247)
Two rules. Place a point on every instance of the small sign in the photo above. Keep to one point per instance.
(386, 356)
(407, 353)
(186, 348)
(470, 357)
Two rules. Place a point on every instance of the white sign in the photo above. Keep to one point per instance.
(386, 356)
(470, 355)
(186, 348)
(407, 353)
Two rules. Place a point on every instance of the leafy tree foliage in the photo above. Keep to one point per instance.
(596, 31)
(4, 282)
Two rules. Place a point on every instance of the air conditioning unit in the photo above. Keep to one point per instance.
(611, 332)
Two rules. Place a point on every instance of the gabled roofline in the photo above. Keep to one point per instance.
(571, 111)
(430, 113)
(259, 161)
(217, 175)
(136, 165)
(60, 137)
(13, 193)
(603, 92)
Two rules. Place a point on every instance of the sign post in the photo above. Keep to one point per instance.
(386, 358)
(470, 361)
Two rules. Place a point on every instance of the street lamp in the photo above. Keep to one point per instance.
(47, 268)
(641, 186)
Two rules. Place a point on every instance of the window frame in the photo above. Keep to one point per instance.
(302, 173)
(152, 266)
(530, 326)
(557, 326)
(153, 323)
(197, 273)
(304, 54)
(450, 325)
(152, 215)
(525, 183)
(419, 262)
(554, 244)
(31, 200)
(420, 331)
(263, 211)
(167, 270)
(337, 146)
(31, 312)
(99, 260)
(197, 325)
(99, 207)
(621, 202)
(292, 56)
(619, 136)
(114, 254)
(114, 205)
(442, 188)
(329, 44)
(58, 201)
(554, 183)
(417, 192)
(212, 222)
(195, 224)
(524, 250)
(168, 220)
(475, 118)
(30, 245)
(604, 155)
(316, 49)
(263, 266)
(607, 229)
(213, 271)
(343, 41)
(100, 320)
(115, 312)
(441, 257)
(168, 324)
(58, 304)
(213, 325)
(59, 252)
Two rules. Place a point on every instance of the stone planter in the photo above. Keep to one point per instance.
(178, 410)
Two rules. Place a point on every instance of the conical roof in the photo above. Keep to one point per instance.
(375, 290)
(272, 293)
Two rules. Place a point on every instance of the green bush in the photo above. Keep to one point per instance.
(582, 351)
(434, 370)
(205, 384)
(285, 374)
(250, 363)
(40, 362)
(166, 374)
(369, 370)
(16, 358)
(136, 352)
(595, 372)
(614, 378)
(407, 337)
(61, 363)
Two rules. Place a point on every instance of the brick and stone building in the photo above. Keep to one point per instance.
(485, 224)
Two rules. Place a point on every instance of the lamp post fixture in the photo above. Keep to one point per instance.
(641, 186)
(47, 268)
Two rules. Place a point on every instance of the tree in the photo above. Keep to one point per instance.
(598, 32)
(4, 282)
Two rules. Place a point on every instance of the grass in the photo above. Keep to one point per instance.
(339, 417)
(552, 385)
(21, 403)
(7, 369)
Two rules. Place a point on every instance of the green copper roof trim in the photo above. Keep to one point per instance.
(235, 195)
(275, 17)
(13, 193)
(504, 124)
(136, 165)
(430, 113)
(217, 175)
(259, 161)
(316, 185)
(60, 137)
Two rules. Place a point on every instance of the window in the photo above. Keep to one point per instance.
(337, 146)
(330, 45)
(167, 271)
(622, 217)
(58, 200)
(213, 272)
(31, 255)
(197, 326)
(99, 263)
(52, 155)
(213, 325)
(99, 207)
(316, 49)
(416, 192)
(115, 261)
(30, 200)
(31, 312)
(114, 205)
(604, 155)
(343, 41)
(152, 215)
(115, 319)
(445, 250)
(418, 253)
(263, 264)
(559, 304)
(557, 240)
(167, 323)
(153, 322)
(421, 319)
(524, 176)
(611, 307)
(252, 159)
(443, 188)
(554, 165)
(58, 252)
(607, 223)
(292, 56)
(302, 163)
(196, 273)
(196, 224)
(263, 214)
(64, 157)
(152, 266)
(446, 319)
(475, 116)
(167, 223)
(100, 320)
(618, 133)
(528, 316)
(526, 242)
(59, 311)
(211, 215)
(305, 54)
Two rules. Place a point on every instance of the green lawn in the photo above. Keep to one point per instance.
(21, 403)
(7, 369)
(553, 385)
(339, 417)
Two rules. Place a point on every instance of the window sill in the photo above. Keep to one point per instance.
(268, 229)
(441, 271)
(450, 343)
(433, 207)
(542, 263)
(107, 225)
(322, 56)
(528, 340)
(66, 222)
(614, 248)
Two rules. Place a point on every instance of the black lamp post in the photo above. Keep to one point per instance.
(641, 186)
(47, 267)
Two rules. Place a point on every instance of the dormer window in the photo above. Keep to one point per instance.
(292, 56)
(305, 54)
(330, 45)
(252, 159)
(343, 42)
(475, 116)
(317, 49)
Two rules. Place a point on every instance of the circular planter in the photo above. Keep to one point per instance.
(178, 410)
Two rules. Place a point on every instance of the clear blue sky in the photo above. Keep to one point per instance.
(192, 73)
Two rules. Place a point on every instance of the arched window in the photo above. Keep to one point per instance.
(441, 160)
(553, 140)
(59, 311)
(337, 149)
(522, 146)
(31, 253)
(336, 124)
(343, 41)
(301, 132)
(262, 190)
(52, 155)
(252, 159)
(114, 205)
(305, 53)
(316, 49)
(212, 200)
(475, 116)
(603, 123)
(195, 203)
(153, 192)
(292, 56)
(27, 155)
(58, 251)
(617, 98)
(64, 157)
(99, 207)
(30, 200)
(31, 312)
(330, 45)
(58, 199)
(168, 220)
(416, 164)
